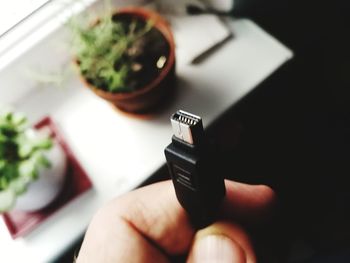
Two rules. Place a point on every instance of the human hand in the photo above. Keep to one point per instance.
(149, 225)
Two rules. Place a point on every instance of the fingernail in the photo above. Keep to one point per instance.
(217, 248)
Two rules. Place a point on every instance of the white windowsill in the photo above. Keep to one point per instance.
(36, 27)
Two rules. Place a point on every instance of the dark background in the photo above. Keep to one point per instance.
(296, 126)
(293, 132)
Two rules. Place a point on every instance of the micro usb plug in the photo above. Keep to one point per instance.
(199, 186)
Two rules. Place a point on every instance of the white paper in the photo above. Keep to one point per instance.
(195, 35)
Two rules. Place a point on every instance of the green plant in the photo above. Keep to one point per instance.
(107, 51)
(21, 157)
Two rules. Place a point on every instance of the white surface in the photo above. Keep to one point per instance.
(11, 15)
(36, 26)
(117, 151)
(221, 5)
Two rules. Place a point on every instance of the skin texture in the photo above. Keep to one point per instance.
(149, 225)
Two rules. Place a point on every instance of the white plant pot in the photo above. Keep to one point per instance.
(45, 189)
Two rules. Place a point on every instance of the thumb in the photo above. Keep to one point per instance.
(221, 242)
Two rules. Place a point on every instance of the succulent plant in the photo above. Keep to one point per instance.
(21, 157)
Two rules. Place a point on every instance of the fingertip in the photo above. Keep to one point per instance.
(216, 248)
(267, 197)
(222, 242)
(249, 202)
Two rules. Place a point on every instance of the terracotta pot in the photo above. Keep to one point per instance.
(145, 98)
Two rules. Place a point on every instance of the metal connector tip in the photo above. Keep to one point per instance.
(186, 126)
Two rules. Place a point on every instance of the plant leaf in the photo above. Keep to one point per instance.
(27, 169)
(25, 149)
(19, 185)
(7, 200)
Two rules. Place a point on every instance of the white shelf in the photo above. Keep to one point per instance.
(117, 151)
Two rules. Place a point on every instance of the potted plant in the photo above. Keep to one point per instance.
(127, 58)
(32, 165)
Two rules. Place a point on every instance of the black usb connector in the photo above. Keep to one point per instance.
(199, 186)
